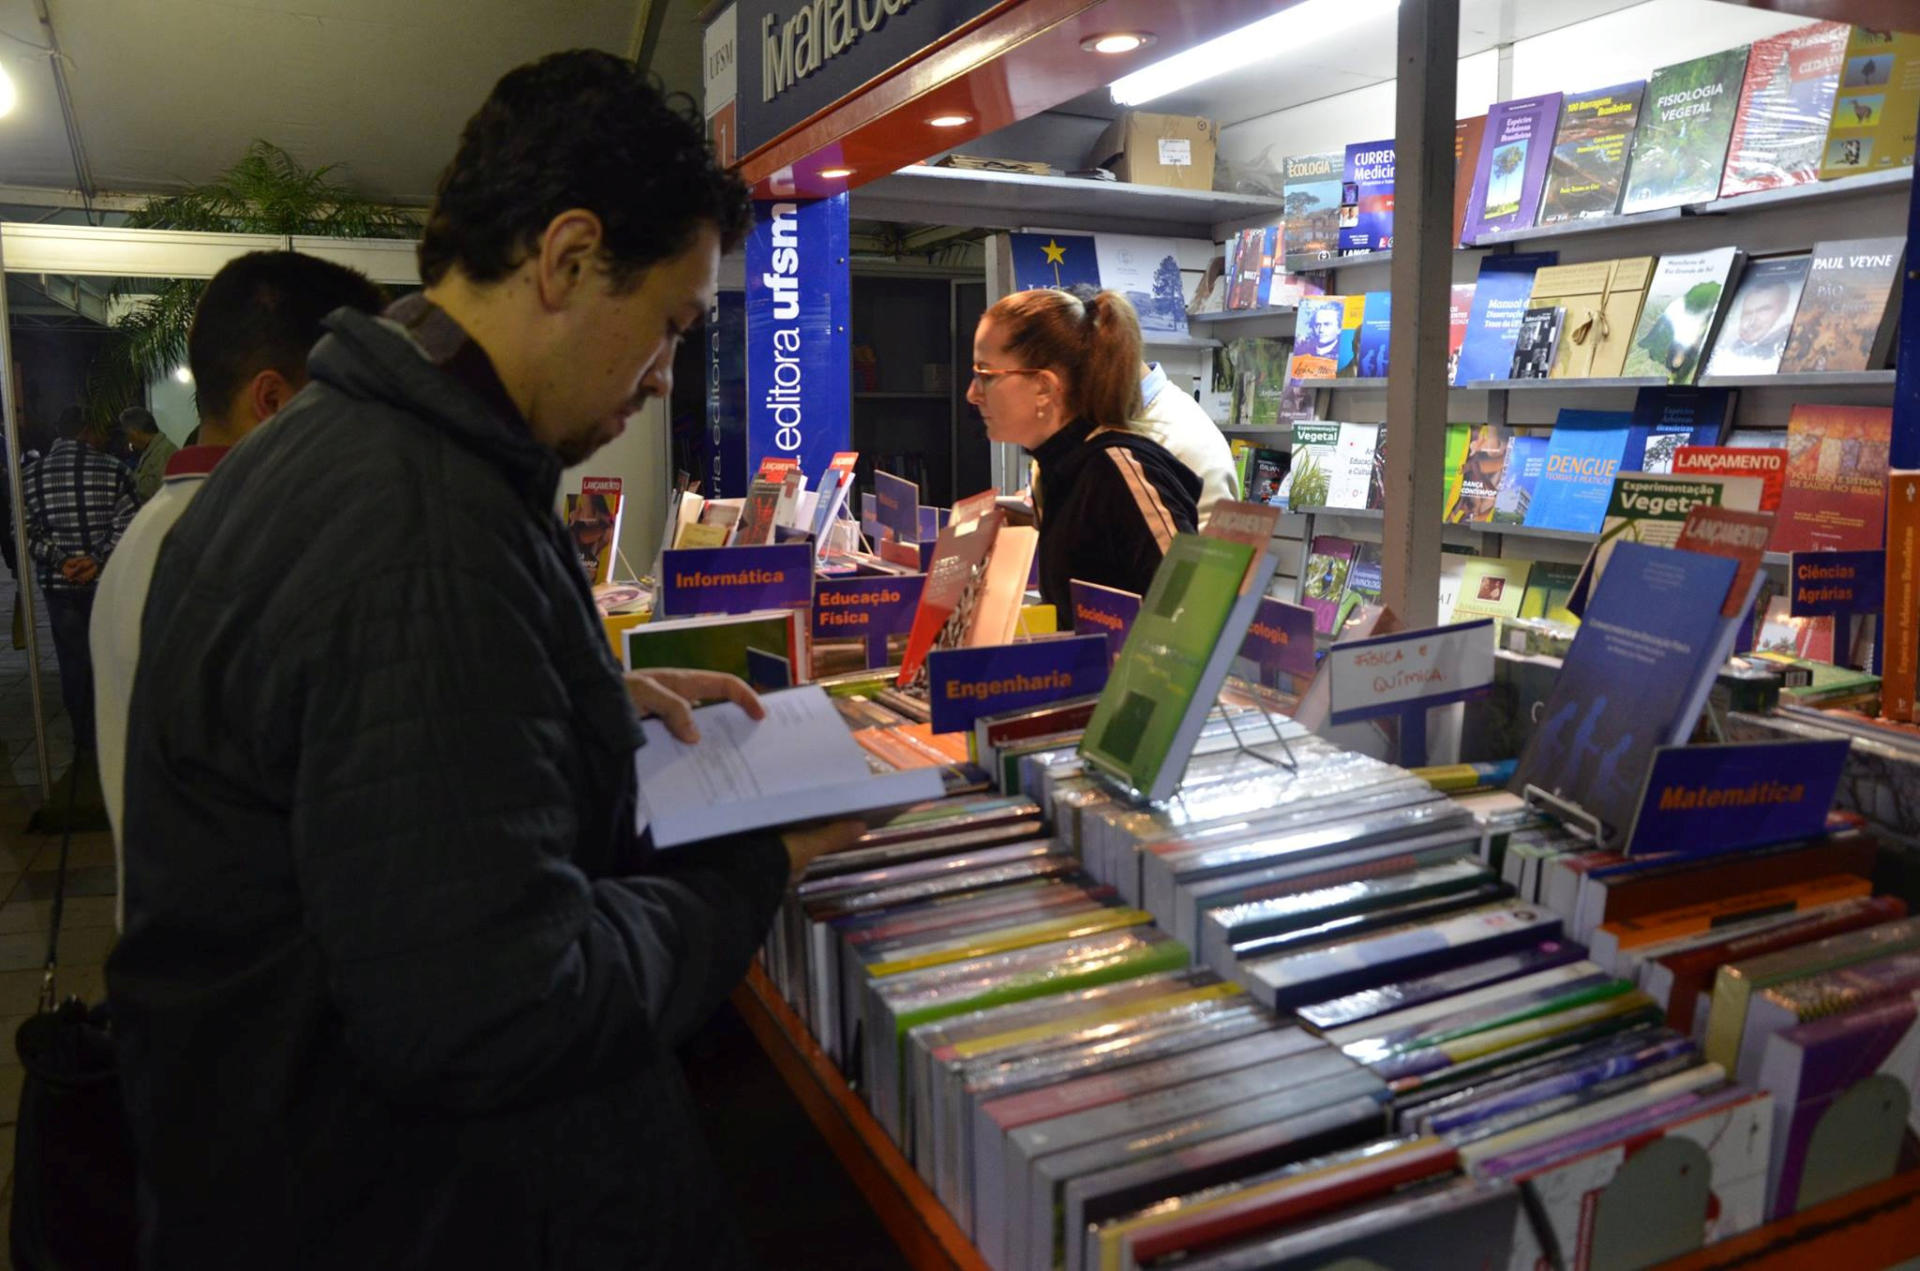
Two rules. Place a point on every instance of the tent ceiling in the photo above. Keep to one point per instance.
(169, 94)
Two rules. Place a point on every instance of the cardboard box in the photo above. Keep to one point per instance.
(1147, 149)
(1602, 299)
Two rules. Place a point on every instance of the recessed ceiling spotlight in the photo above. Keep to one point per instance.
(951, 121)
(1117, 42)
(834, 174)
(183, 375)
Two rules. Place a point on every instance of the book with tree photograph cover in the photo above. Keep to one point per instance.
(1836, 491)
(1877, 105)
(1683, 306)
(1478, 487)
(1785, 107)
(1845, 320)
(1147, 272)
(1512, 170)
(1366, 198)
(1538, 341)
(1192, 621)
(1311, 198)
(1590, 153)
(1753, 336)
(1681, 146)
(1467, 137)
(593, 526)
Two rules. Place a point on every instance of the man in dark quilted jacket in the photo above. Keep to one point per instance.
(399, 988)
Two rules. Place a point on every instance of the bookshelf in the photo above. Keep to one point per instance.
(1276, 312)
(1350, 382)
(1007, 200)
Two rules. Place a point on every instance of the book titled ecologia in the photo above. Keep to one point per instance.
(1311, 198)
(1590, 153)
(1681, 145)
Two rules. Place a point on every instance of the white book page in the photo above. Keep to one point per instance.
(799, 763)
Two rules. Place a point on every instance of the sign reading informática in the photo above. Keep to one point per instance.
(1717, 798)
(735, 579)
(798, 364)
(798, 57)
(965, 684)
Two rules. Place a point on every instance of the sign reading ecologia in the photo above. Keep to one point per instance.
(797, 57)
(798, 358)
(1742, 794)
(965, 684)
(735, 579)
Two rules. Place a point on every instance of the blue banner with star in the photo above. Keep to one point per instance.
(1053, 260)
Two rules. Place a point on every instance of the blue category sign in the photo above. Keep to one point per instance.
(870, 517)
(1837, 583)
(798, 357)
(846, 608)
(726, 448)
(1281, 638)
(932, 521)
(1741, 794)
(897, 506)
(968, 683)
(699, 580)
(1104, 611)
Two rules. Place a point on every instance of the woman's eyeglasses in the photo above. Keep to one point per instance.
(987, 376)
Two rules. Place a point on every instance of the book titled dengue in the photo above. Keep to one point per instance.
(1513, 165)
(1311, 197)
(1634, 679)
(1681, 145)
(1590, 153)
(1582, 459)
(1499, 307)
(1366, 198)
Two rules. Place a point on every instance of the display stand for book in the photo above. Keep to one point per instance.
(1572, 817)
(1290, 763)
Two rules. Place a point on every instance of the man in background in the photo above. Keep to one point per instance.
(78, 501)
(400, 984)
(1184, 430)
(151, 449)
(248, 353)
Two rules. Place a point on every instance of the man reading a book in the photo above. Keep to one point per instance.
(400, 987)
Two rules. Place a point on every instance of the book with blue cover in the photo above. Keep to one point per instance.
(1366, 198)
(1376, 329)
(1493, 324)
(1519, 479)
(1053, 260)
(1312, 201)
(1665, 419)
(1634, 680)
(1583, 457)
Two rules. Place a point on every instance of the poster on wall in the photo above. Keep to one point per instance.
(798, 361)
(1147, 272)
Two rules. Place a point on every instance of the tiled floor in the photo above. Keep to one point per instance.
(27, 862)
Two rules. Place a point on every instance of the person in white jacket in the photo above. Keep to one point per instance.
(1184, 430)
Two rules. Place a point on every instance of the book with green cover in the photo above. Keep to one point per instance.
(1680, 149)
(1684, 302)
(1549, 584)
(1192, 621)
(718, 642)
(1458, 436)
(1491, 587)
(1652, 508)
(1309, 478)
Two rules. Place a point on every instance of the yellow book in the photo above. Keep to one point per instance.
(699, 534)
(1876, 106)
(1602, 299)
(1093, 1019)
(1734, 987)
(1071, 927)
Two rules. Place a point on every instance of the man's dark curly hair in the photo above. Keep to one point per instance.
(579, 129)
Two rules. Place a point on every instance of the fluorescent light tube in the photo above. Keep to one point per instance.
(1285, 32)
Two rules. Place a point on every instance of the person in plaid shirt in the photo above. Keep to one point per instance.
(78, 502)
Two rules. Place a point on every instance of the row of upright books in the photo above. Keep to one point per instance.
(1816, 103)
(1298, 1014)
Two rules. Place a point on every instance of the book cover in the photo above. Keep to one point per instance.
(1493, 325)
(1269, 244)
(1323, 579)
(954, 574)
(1634, 679)
(1265, 470)
(1053, 260)
(717, 642)
(1243, 288)
(1468, 136)
(1326, 341)
(1835, 497)
(1549, 587)
(1590, 150)
(1738, 982)
(1725, 531)
(1146, 271)
(1845, 319)
(1844, 1090)
(1512, 170)
(1602, 300)
(1491, 587)
(1683, 303)
(1652, 509)
(1900, 673)
(1876, 105)
(1453, 569)
(1363, 581)
(593, 525)
(1265, 385)
(1478, 487)
(1309, 479)
(1538, 341)
(1376, 330)
(1769, 465)
(1353, 465)
(1192, 620)
(1459, 311)
(755, 526)
(1789, 639)
(1458, 437)
(1753, 336)
(1377, 488)
(1785, 105)
(1681, 145)
(1583, 457)
(1664, 419)
(1311, 197)
(1366, 198)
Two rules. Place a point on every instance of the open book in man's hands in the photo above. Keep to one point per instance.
(798, 764)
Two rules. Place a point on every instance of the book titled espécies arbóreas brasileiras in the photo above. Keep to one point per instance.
(1513, 165)
(1634, 680)
(1366, 198)
(1499, 305)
